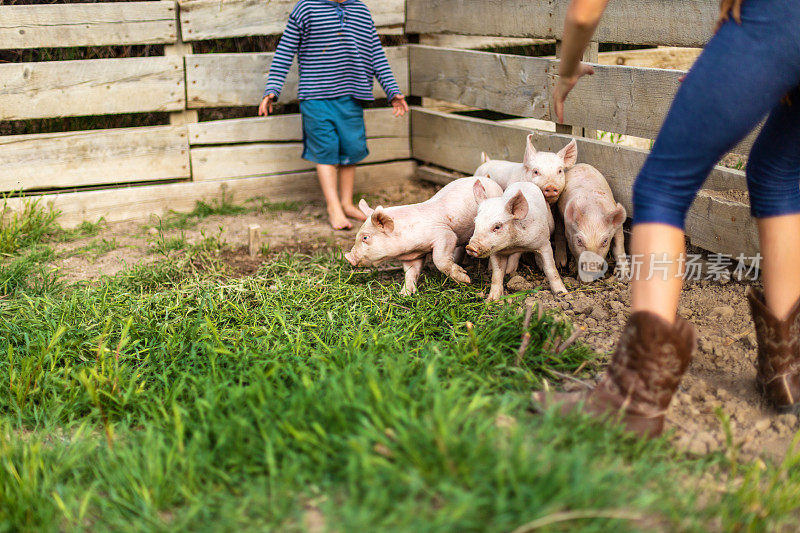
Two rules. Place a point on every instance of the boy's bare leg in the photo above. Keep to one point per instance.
(780, 248)
(327, 181)
(660, 293)
(347, 177)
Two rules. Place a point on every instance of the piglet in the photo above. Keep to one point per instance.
(545, 169)
(592, 218)
(518, 221)
(409, 232)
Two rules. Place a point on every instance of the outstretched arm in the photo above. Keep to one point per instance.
(582, 19)
(281, 62)
(383, 72)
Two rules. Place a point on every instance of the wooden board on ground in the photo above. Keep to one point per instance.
(215, 19)
(91, 87)
(219, 80)
(455, 142)
(277, 128)
(244, 160)
(137, 203)
(658, 22)
(78, 159)
(111, 23)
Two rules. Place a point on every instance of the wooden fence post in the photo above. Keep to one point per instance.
(181, 49)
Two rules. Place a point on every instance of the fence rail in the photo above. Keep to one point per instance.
(655, 22)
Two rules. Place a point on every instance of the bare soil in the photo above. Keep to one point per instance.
(721, 377)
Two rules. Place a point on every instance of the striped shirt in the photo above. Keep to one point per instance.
(338, 50)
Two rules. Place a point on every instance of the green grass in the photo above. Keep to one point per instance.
(165, 398)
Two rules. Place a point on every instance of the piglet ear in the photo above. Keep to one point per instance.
(479, 191)
(569, 154)
(572, 214)
(530, 151)
(382, 220)
(484, 157)
(617, 216)
(366, 209)
(518, 206)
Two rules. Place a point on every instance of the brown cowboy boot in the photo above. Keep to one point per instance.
(651, 357)
(778, 365)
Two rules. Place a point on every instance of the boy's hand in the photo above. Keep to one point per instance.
(400, 105)
(266, 105)
(565, 85)
(728, 8)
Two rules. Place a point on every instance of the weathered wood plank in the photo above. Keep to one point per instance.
(222, 162)
(213, 19)
(98, 157)
(455, 142)
(658, 22)
(91, 87)
(219, 80)
(516, 85)
(619, 99)
(137, 203)
(61, 25)
(379, 123)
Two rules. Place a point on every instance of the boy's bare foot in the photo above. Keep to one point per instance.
(353, 212)
(338, 219)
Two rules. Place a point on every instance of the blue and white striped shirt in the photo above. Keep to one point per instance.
(338, 52)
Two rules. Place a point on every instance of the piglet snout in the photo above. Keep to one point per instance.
(472, 251)
(350, 258)
(551, 193)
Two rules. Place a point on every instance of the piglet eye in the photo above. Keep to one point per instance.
(560, 170)
(605, 241)
(497, 227)
(535, 172)
(365, 238)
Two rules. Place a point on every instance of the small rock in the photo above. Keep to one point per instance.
(583, 306)
(564, 304)
(616, 305)
(518, 283)
(697, 447)
(723, 311)
(599, 314)
(762, 425)
(749, 341)
(706, 345)
(591, 322)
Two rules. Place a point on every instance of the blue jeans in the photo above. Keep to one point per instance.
(740, 77)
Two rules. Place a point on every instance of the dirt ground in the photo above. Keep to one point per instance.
(722, 374)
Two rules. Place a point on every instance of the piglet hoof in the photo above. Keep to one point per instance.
(408, 291)
(494, 295)
(459, 274)
(559, 290)
(560, 258)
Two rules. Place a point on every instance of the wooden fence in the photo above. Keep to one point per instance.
(621, 99)
(127, 172)
(124, 173)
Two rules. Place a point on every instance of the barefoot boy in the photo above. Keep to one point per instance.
(339, 53)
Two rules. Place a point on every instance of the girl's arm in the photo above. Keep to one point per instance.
(581, 21)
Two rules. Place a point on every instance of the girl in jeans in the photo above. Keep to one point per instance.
(749, 69)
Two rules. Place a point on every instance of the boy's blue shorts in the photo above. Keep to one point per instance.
(333, 131)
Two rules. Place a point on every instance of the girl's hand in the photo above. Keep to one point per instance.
(400, 105)
(565, 85)
(266, 105)
(728, 8)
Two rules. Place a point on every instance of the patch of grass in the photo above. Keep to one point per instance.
(28, 226)
(157, 399)
(175, 220)
(263, 205)
(84, 229)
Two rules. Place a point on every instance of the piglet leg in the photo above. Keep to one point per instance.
(442, 254)
(499, 265)
(560, 240)
(619, 250)
(458, 255)
(412, 270)
(548, 264)
(513, 262)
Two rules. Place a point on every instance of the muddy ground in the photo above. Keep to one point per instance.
(722, 374)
